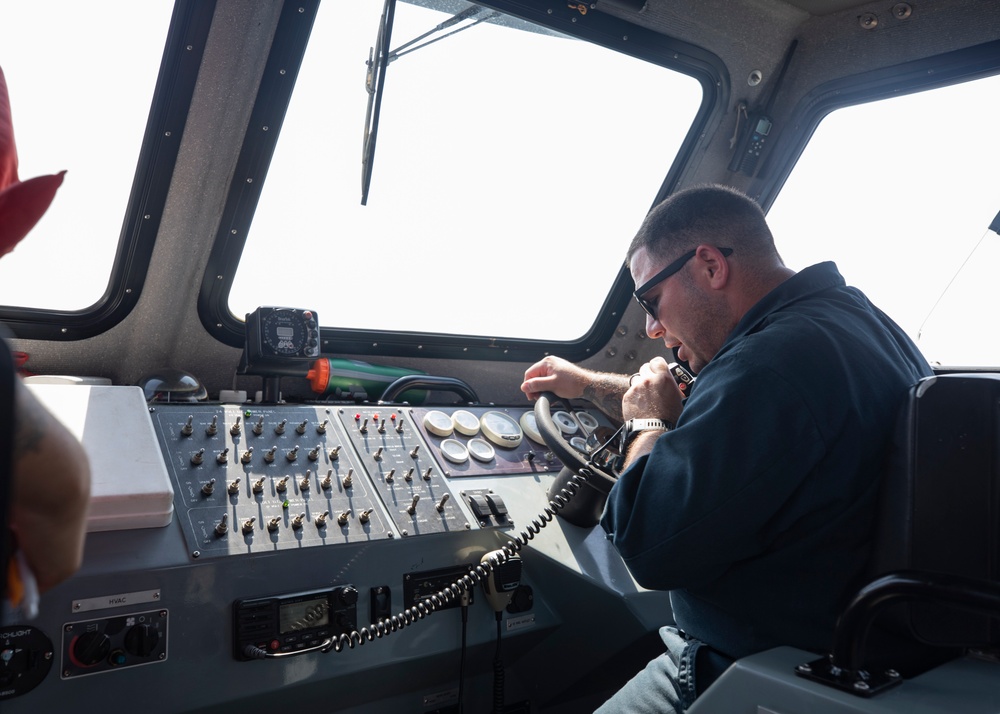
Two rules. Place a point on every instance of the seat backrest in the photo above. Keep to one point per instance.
(940, 503)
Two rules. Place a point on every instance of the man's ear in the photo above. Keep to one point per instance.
(714, 266)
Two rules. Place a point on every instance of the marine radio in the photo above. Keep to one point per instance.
(285, 625)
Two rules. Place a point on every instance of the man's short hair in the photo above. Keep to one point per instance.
(714, 213)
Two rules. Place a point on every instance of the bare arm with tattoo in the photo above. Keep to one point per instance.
(50, 492)
(569, 381)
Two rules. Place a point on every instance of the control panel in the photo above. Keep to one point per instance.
(262, 478)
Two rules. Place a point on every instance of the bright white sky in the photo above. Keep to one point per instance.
(898, 193)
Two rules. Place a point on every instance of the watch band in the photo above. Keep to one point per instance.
(635, 426)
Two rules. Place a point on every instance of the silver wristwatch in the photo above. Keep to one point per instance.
(634, 426)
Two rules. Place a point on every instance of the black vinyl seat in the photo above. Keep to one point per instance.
(940, 505)
(934, 589)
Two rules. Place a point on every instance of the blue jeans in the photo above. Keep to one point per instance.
(667, 685)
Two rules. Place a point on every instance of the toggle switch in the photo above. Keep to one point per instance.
(237, 427)
(188, 428)
(258, 428)
(223, 456)
(280, 428)
(198, 457)
(213, 428)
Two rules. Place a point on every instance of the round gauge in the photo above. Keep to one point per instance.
(566, 423)
(438, 423)
(579, 443)
(465, 422)
(587, 420)
(453, 450)
(481, 450)
(285, 332)
(530, 427)
(501, 429)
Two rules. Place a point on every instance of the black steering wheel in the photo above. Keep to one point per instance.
(585, 499)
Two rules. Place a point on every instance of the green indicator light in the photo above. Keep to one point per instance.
(284, 504)
(247, 414)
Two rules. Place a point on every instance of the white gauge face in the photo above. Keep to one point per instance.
(587, 420)
(579, 443)
(566, 423)
(465, 422)
(530, 427)
(454, 451)
(501, 429)
(438, 423)
(481, 450)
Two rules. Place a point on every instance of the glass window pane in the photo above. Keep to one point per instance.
(80, 92)
(900, 193)
(512, 169)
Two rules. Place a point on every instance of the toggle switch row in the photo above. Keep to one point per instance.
(257, 429)
(234, 487)
(248, 525)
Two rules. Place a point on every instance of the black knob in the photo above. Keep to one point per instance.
(141, 640)
(91, 648)
(348, 595)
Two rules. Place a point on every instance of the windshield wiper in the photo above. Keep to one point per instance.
(379, 58)
(374, 82)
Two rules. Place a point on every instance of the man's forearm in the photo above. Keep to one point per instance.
(605, 392)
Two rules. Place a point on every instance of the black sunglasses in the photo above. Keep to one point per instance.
(663, 275)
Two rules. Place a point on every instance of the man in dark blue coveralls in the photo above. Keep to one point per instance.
(752, 500)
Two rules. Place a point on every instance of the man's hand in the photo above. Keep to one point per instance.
(653, 393)
(570, 381)
(556, 375)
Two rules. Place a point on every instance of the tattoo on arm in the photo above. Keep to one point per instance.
(606, 392)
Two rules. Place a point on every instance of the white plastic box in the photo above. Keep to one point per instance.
(130, 486)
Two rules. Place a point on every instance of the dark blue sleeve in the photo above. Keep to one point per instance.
(708, 494)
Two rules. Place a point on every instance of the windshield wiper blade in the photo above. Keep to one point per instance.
(379, 58)
(374, 84)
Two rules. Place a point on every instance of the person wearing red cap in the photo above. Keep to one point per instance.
(44, 472)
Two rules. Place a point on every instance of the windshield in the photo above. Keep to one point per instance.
(512, 168)
(900, 193)
(76, 106)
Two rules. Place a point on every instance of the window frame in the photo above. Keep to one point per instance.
(189, 26)
(287, 52)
